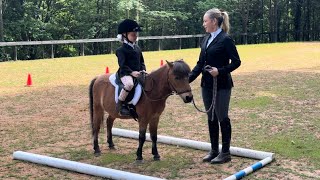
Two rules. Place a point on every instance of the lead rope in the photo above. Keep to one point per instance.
(213, 103)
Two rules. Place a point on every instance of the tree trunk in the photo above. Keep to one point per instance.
(270, 22)
(307, 20)
(1, 22)
(297, 21)
(262, 21)
(275, 21)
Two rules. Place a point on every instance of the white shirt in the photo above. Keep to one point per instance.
(213, 35)
(130, 44)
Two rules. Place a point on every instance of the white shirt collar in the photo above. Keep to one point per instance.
(215, 33)
(130, 44)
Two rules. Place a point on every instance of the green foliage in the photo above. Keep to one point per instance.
(38, 20)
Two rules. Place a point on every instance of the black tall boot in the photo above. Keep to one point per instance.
(122, 109)
(214, 139)
(224, 155)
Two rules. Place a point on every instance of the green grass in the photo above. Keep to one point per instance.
(297, 148)
(112, 157)
(257, 102)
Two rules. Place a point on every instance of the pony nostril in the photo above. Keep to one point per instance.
(189, 98)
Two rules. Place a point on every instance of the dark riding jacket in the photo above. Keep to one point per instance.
(218, 54)
(129, 59)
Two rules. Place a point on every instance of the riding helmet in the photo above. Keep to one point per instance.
(128, 25)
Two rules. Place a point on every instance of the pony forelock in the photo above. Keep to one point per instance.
(181, 69)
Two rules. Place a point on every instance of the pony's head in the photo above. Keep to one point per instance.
(178, 79)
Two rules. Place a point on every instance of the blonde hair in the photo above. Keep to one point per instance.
(221, 16)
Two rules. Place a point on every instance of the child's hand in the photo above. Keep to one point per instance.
(135, 73)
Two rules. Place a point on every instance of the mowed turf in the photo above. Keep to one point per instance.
(275, 107)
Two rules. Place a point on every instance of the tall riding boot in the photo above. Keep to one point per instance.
(214, 139)
(224, 155)
(121, 106)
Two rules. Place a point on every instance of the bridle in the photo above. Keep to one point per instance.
(172, 88)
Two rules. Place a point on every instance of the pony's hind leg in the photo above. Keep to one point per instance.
(153, 129)
(97, 120)
(109, 123)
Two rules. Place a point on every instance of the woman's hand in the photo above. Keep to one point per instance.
(135, 73)
(214, 72)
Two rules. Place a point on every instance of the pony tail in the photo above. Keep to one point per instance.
(225, 22)
(91, 104)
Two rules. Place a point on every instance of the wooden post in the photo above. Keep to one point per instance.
(82, 49)
(15, 53)
(52, 53)
(111, 51)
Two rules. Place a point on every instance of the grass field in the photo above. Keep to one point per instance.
(275, 107)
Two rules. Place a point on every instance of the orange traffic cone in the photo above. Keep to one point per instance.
(161, 63)
(107, 70)
(29, 80)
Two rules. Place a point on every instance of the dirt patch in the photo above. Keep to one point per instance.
(56, 123)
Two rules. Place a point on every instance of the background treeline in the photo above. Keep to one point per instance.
(252, 21)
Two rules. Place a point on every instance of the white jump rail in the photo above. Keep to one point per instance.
(80, 167)
(265, 157)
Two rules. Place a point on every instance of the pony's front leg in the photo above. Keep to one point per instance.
(142, 139)
(153, 129)
(109, 123)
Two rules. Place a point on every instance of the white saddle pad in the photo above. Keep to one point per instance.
(137, 93)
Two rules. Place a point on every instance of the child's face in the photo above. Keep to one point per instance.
(132, 36)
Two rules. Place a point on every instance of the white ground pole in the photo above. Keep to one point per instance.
(80, 167)
(265, 157)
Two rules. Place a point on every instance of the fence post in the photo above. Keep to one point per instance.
(52, 53)
(15, 53)
(180, 43)
(111, 51)
(159, 48)
(82, 49)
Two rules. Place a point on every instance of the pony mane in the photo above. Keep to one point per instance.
(181, 69)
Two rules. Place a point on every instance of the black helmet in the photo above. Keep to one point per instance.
(128, 25)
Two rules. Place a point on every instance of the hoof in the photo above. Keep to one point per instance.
(156, 158)
(139, 161)
(96, 154)
(112, 147)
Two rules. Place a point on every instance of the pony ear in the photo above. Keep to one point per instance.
(170, 64)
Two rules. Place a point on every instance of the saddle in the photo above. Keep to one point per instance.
(133, 96)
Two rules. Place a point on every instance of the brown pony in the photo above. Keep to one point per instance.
(159, 85)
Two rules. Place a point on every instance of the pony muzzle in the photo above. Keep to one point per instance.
(187, 97)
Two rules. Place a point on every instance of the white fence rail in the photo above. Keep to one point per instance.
(82, 42)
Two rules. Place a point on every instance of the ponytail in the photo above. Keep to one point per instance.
(225, 23)
(221, 16)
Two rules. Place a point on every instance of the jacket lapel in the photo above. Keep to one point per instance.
(215, 39)
(204, 45)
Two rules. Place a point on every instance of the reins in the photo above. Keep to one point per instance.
(160, 99)
(213, 103)
(173, 90)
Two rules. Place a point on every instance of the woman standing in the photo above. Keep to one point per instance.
(218, 58)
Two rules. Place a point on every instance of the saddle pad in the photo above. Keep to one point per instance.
(137, 93)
